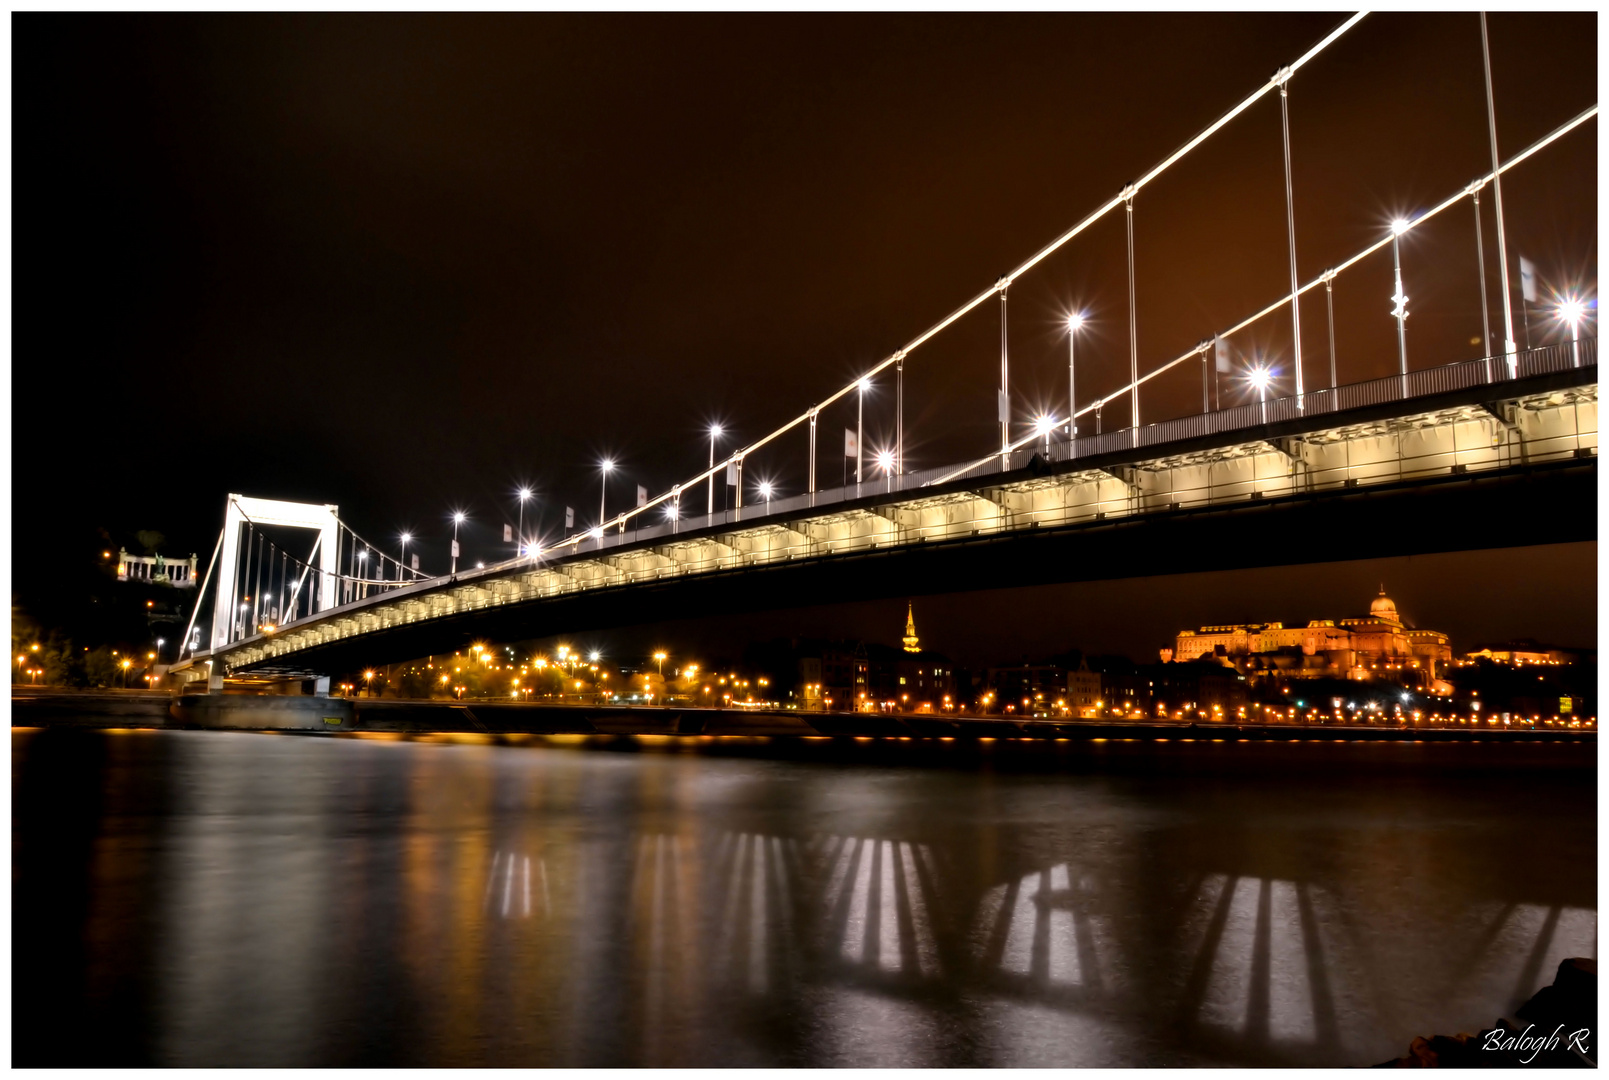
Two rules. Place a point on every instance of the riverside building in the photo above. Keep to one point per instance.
(1377, 645)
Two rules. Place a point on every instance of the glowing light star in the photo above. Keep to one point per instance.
(1400, 226)
(1075, 321)
(865, 385)
(1572, 310)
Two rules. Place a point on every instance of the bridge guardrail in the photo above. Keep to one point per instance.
(1426, 382)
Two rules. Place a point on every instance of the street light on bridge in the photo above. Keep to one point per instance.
(524, 495)
(1399, 298)
(1046, 424)
(405, 538)
(885, 461)
(1260, 377)
(715, 433)
(458, 519)
(603, 489)
(1573, 311)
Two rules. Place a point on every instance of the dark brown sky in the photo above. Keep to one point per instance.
(402, 263)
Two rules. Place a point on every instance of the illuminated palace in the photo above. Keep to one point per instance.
(1377, 645)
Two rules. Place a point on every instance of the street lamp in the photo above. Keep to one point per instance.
(1573, 311)
(603, 489)
(1074, 322)
(458, 519)
(1046, 425)
(715, 433)
(885, 461)
(765, 492)
(659, 658)
(1260, 376)
(519, 537)
(404, 559)
(1399, 299)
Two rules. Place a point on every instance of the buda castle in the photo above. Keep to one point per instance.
(1377, 645)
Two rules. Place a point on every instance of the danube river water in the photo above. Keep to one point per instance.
(213, 899)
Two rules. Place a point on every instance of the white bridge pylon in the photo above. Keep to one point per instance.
(243, 511)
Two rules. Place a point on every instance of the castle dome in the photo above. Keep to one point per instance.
(1382, 607)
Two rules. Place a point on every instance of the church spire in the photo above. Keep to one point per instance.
(910, 631)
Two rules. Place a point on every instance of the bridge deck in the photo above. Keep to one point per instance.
(1442, 422)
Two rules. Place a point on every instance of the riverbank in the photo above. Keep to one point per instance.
(150, 709)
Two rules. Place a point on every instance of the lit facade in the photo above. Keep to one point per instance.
(1379, 643)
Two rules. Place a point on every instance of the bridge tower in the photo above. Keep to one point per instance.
(243, 511)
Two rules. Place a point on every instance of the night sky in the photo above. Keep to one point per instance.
(406, 263)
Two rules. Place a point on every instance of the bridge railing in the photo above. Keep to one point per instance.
(1486, 371)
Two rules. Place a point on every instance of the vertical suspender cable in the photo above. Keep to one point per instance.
(1329, 304)
(1290, 230)
(257, 593)
(240, 613)
(899, 416)
(1497, 205)
(1004, 405)
(812, 478)
(1134, 345)
(1480, 259)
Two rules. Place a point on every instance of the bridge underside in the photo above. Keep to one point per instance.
(1506, 506)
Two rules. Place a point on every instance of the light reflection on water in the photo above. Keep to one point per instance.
(233, 899)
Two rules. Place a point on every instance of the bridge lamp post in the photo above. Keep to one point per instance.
(1260, 377)
(524, 495)
(715, 433)
(1573, 311)
(1074, 322)
(458, 519)
(1046, 425)
(765, 493)
(404, 559)
(603, 490)
(885, 461)
(1400, 299)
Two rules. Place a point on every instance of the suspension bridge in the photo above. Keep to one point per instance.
(1445, 454)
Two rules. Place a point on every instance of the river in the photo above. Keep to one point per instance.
(216, 899)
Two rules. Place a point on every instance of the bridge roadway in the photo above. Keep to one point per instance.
(1443, 459)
